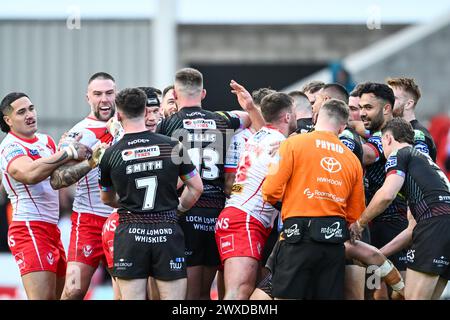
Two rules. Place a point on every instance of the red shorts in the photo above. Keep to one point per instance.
(86, 239)
(238, 234)
(37, 246)
(108, 237)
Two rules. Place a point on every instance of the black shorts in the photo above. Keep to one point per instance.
(382, 232)
(149, 249)
(198, 226)
(309, 270)
(365, 237)
(430, 250)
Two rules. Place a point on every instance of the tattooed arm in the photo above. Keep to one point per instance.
(71, 172)
(27, 171)
(68, 174)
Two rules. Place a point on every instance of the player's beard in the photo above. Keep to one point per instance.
(99, 116)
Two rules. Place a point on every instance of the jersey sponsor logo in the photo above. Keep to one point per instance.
(346, 134)
(391, 162)
(334, 230)
(419, 135)
(227, 244)
(308, 193)
(20, 260)
(376, 140)
(33, 152)
(444, 198)
(13, 151)
(348, 143)
(135, 141)
(330, 164)
(327, 145)
(330, 181)
(422, 148)
(140, 153)
(199, 124)
(50, 258)
(176, 264)
(198, 114)
(87, 250)
(322, 195)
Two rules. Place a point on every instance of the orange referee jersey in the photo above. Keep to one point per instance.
(316, 176)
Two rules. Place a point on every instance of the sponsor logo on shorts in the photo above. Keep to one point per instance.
(87, 250)
(20, 260)
(330, 164)
(441, 262)
(122, 264)
(140, 153)
(50, 258)
(176, 264)
(201, 223)
(292, 231)
(410, 255)
(227, 244)
(334, 230)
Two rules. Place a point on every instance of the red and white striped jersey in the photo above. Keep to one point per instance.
(252, 170)
(87, 196)
(37, 202)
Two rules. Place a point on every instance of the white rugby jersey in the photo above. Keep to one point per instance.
(87, 196)
(236, 148)
(253, 167)
(38, 202)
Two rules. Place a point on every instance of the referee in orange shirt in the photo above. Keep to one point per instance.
(320, 182)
